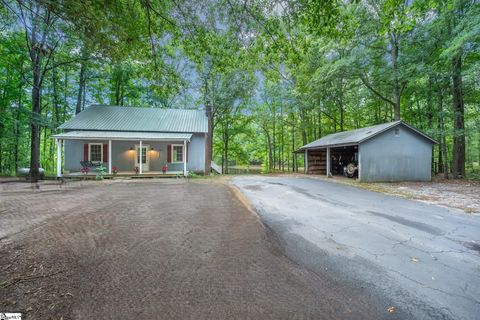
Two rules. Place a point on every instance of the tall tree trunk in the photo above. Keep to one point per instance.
(430, 109)
(444, 152)
(458, 164)
(396, 85)
(274, 142)
(2, 124)
(302, 123)
(319, 123)
(44, 150)
(56, 106)
(443, 140)
(225, 148)
(440, 147)
(209, 134)
(17, 118)
(281, 163)
(117, 92)
(34, 125)
(340, 102)
(294, 158)
(478, 144)
(17, 131)
(81, 88)
(269, 144)
(65, 93)
(84, 93)
(208, 141)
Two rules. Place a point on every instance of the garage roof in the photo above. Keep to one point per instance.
(115, 118)
(357, 136)
(125, 135)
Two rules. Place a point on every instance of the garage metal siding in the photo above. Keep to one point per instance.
(387, 157)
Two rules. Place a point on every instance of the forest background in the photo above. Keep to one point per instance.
(273, 75)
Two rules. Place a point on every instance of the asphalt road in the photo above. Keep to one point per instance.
(421, 259)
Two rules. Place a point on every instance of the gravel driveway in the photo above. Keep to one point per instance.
(423, 259)
(162, 249)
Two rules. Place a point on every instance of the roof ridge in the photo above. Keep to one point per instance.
(359, 135)
(138, 107)
(364, 128)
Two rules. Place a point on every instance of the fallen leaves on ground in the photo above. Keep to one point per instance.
(391, 309)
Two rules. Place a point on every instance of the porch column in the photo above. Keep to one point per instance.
(328, 162)
(109, 156)
(185, 157)
(140, 157)
(59, 157)
(306, 161)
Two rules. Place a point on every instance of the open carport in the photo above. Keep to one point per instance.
(394, 151)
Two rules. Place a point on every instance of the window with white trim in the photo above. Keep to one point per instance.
(95, 152)
(177, 153)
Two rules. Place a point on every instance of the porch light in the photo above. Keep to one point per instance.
(131, 148)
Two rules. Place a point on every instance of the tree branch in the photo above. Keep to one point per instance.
(378, 94)
(67, 62)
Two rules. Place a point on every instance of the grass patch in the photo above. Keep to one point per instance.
(470, 210)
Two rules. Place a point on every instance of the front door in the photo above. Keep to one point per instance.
(145, 157)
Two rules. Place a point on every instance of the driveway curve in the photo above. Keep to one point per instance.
(423, 259)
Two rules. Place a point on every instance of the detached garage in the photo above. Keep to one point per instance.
(394, 151)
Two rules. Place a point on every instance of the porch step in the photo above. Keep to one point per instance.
(153, 176)
(124, 176)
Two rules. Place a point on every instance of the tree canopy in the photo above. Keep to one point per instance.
(272, 75)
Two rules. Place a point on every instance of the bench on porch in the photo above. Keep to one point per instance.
(90, 164)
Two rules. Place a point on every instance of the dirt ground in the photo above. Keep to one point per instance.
(161, 249)
(459, 194)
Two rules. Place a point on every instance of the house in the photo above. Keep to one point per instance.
(394, 151)
(131, 140)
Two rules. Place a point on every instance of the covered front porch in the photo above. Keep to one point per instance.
(122, 153)
(125, 174)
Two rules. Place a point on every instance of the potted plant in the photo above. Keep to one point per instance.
(114, 170)
(85, 170)
(101, 172)
(137, 170)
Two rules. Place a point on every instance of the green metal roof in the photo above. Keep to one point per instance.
(115, 118)
(123, 135)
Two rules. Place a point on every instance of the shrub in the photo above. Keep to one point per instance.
(101, 172)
